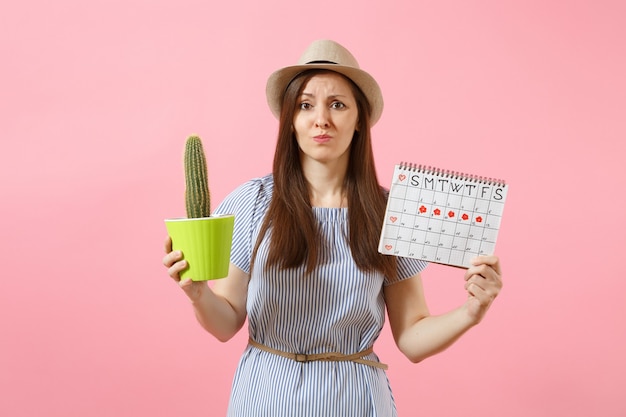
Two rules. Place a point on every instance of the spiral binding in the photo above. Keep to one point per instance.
(426, 169)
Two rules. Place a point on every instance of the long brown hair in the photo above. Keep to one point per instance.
(295, 238)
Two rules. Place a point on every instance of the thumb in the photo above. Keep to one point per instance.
(192, 289)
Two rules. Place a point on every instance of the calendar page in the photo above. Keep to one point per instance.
(441, 216)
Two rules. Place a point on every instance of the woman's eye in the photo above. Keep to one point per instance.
(305, 106)
(337, 105)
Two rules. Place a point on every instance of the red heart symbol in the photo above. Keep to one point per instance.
(393, 219)
(388, 247)
(401, 177)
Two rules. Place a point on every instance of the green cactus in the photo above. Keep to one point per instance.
(197, 196)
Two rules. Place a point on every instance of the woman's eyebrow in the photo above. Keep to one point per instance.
(330, 96)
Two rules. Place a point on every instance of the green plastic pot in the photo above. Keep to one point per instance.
(205, 243)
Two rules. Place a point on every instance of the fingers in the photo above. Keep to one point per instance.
(175, 264)
(175, 270)
(173, 261)
(483, 279)
(483, 289)
(193, 289)
(483, 283)
(185, 284)
(490, 260)
(171, 257)
(486, 266)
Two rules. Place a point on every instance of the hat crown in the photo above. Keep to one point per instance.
(329, 52)
(330, 56)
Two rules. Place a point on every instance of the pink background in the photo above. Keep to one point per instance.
(96, 99)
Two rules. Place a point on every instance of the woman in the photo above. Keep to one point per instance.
(305, 269)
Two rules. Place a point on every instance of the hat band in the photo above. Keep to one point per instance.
(321, 62)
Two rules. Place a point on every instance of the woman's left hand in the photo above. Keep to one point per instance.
(483, 282)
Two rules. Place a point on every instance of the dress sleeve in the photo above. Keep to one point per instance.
(407, 267)
(248, 204)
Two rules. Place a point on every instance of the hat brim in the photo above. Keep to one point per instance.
(277, 84)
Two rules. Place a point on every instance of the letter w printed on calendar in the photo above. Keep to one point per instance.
(441, 216)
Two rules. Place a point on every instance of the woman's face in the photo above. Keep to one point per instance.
(325, 119)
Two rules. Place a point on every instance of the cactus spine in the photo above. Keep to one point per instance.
(197, 196)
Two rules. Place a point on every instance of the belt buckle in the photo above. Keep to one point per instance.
(301, 357)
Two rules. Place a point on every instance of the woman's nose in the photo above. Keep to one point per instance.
(322, 119)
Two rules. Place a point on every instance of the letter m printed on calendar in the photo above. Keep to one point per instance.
(441, 216)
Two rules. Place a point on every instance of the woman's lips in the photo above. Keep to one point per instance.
(321, 138)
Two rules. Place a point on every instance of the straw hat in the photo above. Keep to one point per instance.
(325, 54)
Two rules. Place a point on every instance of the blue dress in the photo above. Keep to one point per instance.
(338, 308)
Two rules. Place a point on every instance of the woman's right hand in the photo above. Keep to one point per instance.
(220, 308)
(175, 264)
